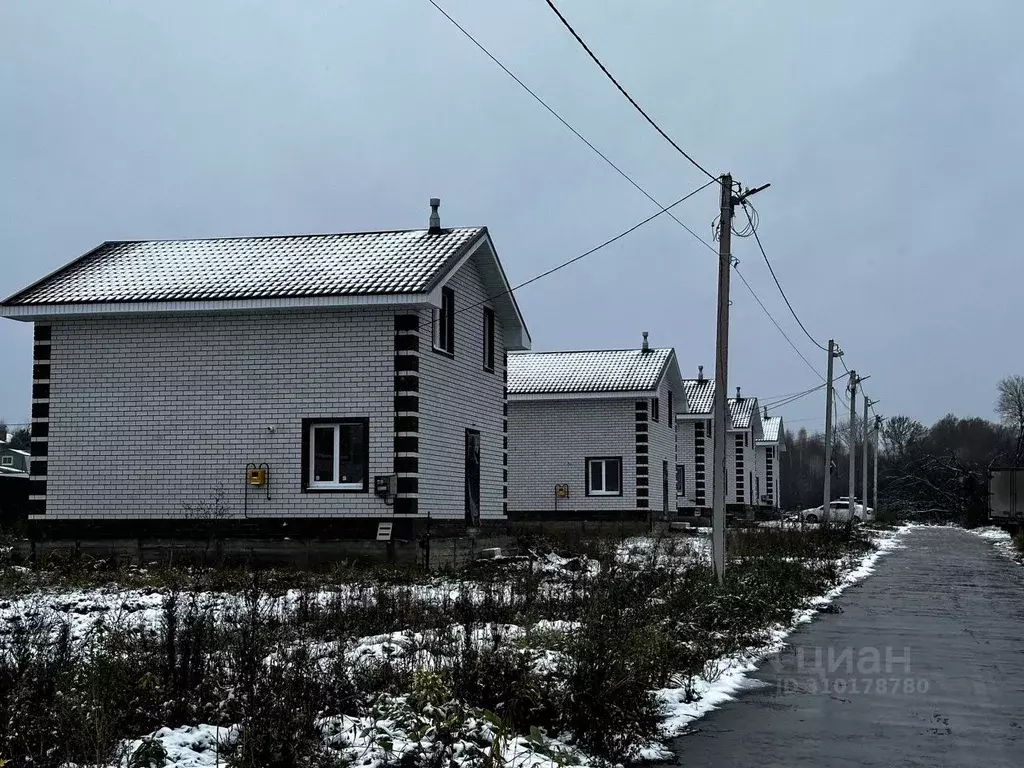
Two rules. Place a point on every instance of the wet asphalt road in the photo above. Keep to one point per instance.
(955, 698)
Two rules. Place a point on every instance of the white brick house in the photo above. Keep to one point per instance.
(597, 425)
(695, 447)
(328, 361)
(769, 469)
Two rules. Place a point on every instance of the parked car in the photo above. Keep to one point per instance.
(839, 512)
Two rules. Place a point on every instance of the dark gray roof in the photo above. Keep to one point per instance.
(616, 370)
(700, 394)
(255, 268)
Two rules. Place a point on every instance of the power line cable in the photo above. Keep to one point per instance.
(625, 93)
(777, 326)
(618, 170)
(580, 257)
(564, 122)
(793, 398)
(757, 238)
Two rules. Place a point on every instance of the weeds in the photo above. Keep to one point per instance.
(282, 664)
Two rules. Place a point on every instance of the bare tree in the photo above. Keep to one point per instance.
(1010, 407)
(900, 434)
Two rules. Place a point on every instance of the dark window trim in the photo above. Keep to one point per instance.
(586, 475)
(306, 424)
(680, 486)
(655, 408)
(489, 339)
(671, 408)
(448, 319)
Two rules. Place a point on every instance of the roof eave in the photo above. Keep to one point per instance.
(600, 395)
(33, 312)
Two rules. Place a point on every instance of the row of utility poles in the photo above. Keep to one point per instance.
(728, 202)
(851, 387)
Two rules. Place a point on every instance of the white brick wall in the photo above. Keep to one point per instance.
(762, 472)
(663, 449)
(152, 412)
(458, 394)
(549, 442)
(685, 446)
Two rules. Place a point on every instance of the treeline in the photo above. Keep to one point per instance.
(935, 473)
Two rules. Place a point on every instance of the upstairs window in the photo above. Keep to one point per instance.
(671, 410)
(488, 339)
(655, 408)
(680, 479)
(8, 461)
(336, 455)
(604, 476)
(444, 323)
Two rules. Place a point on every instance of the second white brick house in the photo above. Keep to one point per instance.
(695, 447)
(288, 384)
(592, 433)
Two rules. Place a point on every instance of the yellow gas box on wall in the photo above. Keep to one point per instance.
(257, 476)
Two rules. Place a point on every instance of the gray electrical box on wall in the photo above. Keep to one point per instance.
(385, 486)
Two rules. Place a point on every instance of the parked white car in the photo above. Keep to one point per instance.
(839, 512)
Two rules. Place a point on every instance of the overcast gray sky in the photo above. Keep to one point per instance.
(892, 134)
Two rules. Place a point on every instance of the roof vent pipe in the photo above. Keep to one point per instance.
(646, 347)
(766, 411)
(435, 217)
(700, 373)
(738, 395)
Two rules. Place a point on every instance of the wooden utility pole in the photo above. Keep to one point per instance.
(728, 203)
(721, 406)
(833, 353)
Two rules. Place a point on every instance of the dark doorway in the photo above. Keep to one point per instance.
(664, 486)
(472, 477)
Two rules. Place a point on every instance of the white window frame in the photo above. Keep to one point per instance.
(604, 461)
(335, 483)
(7, 461)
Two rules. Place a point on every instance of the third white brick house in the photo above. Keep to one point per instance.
(769, 469)
(279, 384)
(592, 433)
(695, 448)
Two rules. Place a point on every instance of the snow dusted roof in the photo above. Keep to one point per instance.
(742, 411)
(619, 370)
(700, 394)
(772, 429)
(254, 267)
(258, 273)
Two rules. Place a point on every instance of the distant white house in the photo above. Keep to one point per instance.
(768, 469)
(695, 449)
(592, 433)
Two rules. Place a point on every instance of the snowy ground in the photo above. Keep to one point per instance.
(389, 732)
(1001, 540)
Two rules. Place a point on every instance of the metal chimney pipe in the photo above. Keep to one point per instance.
(435, 217)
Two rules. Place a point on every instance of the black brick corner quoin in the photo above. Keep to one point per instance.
(642, 459)
(504, 438)
(407, 410)
(40, 427)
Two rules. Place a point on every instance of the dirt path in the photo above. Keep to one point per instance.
(924, 667)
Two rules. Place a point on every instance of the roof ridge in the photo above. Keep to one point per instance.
(221, 238)
(585, 351)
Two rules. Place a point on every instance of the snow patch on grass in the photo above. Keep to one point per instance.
(1001, 540)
